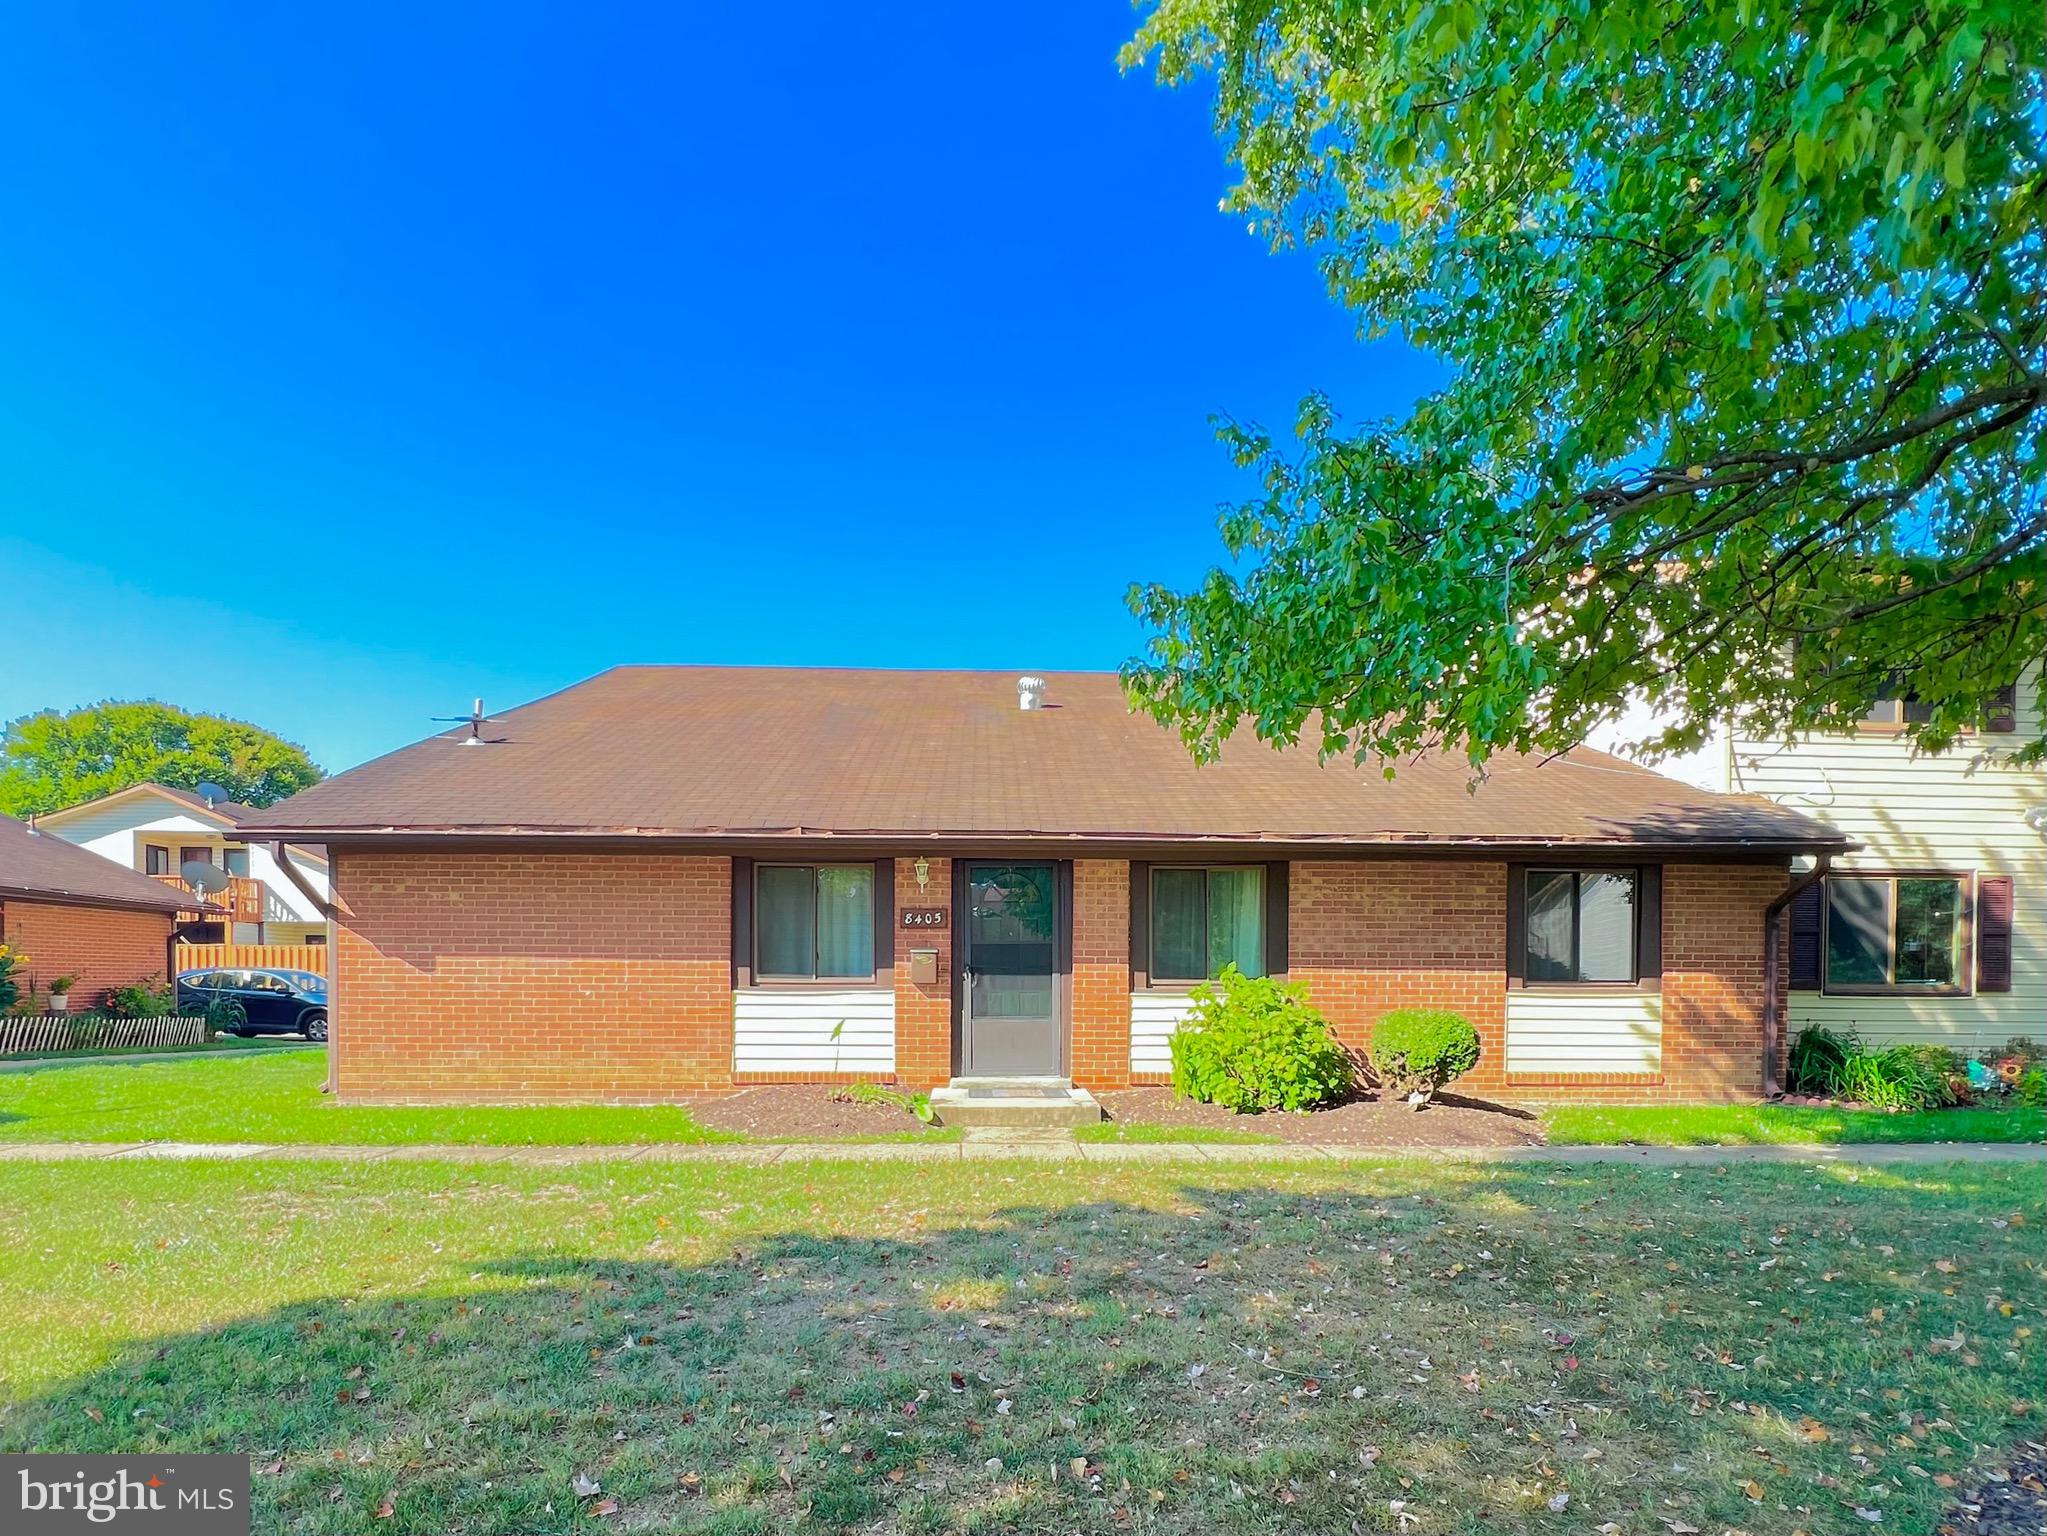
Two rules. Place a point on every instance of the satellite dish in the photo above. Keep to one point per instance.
(211, 793)
(202, 876)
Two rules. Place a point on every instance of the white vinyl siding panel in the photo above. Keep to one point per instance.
(1962, 811)
(776, 1031)
(1573, 1029)
(1153, 1018)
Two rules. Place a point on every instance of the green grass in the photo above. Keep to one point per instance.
(276, 1097)
(826, 1346)
(209, 1048)
(1685, 1125)
(1141, 1131)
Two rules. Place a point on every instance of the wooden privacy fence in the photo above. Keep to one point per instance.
(88, 1032)
(277, 957)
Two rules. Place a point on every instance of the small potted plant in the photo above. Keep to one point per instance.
(60, 993)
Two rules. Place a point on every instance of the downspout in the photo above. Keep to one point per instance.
(1773, 953)
(281, 857)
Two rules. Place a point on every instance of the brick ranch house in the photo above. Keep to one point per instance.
(74, 914)
(667, 880)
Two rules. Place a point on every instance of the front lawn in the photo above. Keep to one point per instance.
(1443, 1348)
(218, 1046)
(275, 1097)
(1689, 1125)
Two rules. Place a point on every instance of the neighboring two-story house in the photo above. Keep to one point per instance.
(1936, 928)
(157, 831)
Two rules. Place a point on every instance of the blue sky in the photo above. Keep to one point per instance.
(364, 361)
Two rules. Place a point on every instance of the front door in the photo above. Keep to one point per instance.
(1013, 1023)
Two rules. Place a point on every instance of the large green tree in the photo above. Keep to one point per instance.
(52, 760)
(1744, 308)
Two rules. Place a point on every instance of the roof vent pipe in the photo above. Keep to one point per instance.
(1030, 693)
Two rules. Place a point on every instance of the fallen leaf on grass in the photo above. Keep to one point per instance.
(388, 1507)
(604, 1507)
(586, 1486)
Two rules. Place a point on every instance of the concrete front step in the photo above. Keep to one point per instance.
(1018, 1103)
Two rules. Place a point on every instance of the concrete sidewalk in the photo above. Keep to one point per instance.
(984, 1145)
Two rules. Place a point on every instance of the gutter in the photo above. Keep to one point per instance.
(280, 856)
(1773, 951)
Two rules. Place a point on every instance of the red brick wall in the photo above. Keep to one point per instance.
(1370, 937)
(517, 976)
(102, 946)
(1101, 973)
(554, 976)
(1713, 978)
(924, 1013)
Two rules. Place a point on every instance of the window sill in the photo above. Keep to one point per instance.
(799, 984)
(1648, 984)
(1940, 992)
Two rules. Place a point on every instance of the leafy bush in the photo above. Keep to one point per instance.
(223, 1015)
(1418, 1050)
(11, 960)
(1254, 1044)
(1897, 1077)
(1817, 1056)
(143, 1000)
(2033, 1087)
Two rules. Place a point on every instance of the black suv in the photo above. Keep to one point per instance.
(272, 1002)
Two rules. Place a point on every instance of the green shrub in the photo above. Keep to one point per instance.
(142, 1000)
(11, 960)
(1897, 1077)
(1254, 1044)
(1418, 1050)
(1817, 1056)
(2033, 1087)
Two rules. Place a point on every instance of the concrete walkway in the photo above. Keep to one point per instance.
(979, 1146)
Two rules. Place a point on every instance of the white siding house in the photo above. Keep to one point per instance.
(155, 830)
(1961, 816)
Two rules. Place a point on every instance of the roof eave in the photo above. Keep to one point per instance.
(1787, 844)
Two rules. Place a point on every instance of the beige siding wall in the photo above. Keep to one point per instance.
(807, 1032)
(1963, 811)
(1590, 1029)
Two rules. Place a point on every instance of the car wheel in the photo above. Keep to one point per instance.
(314, 1026)
(241, 1031)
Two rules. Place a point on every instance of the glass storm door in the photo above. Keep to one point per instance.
(1012, 1020)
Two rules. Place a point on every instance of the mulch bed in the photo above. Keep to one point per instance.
(799, 1112)
(2013, 1505)
(1450, 1121)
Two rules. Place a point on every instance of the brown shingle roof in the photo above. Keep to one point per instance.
(41, 866)
(743, 753)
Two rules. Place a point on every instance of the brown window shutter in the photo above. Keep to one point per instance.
(1140, 926)
(1517, 926)
(1993, 933)
(1275, 917)
(2003, 714)
(1806, 907)
(1649, 929)
(884, 917)
(742, 923)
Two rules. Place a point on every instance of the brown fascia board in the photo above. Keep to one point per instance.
(49, 898)
(879, 842)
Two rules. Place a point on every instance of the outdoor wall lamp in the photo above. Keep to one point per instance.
(923, 869)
